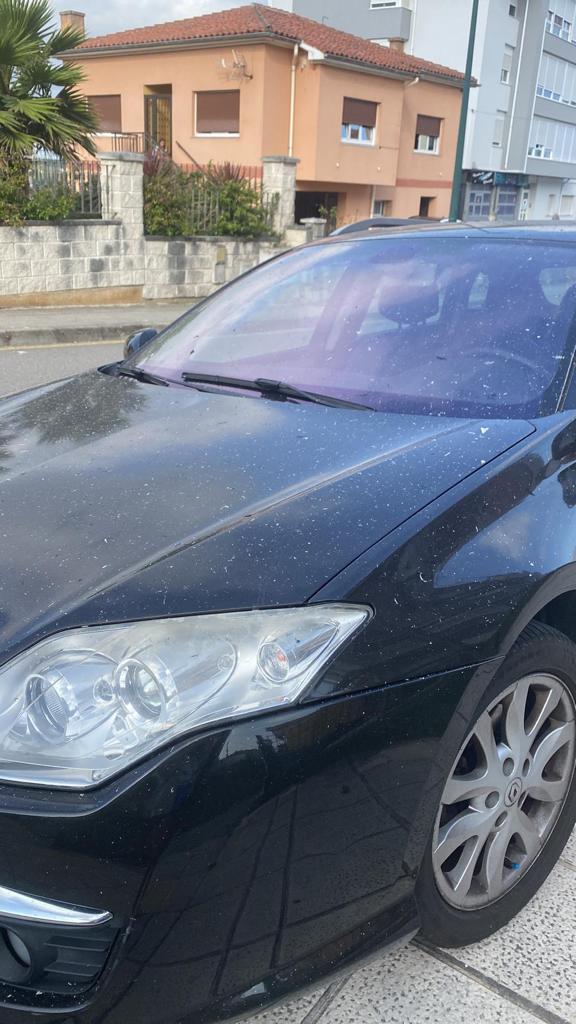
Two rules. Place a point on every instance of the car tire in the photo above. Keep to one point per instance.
(461, 902)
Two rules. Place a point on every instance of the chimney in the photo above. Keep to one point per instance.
(73, 19)
(397, 44)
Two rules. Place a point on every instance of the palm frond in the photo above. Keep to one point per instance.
(40, 104)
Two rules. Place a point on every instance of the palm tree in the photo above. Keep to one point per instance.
(40, 104)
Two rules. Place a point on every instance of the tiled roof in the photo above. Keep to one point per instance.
(256, 19)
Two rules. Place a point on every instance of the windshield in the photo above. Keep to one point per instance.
(446, 325)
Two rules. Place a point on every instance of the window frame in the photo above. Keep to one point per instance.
(559, 26)
(347, 140)
(214, 135)
(346, 127)
(108, 96)
(427, 151)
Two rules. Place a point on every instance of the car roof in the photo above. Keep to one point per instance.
(520, 231)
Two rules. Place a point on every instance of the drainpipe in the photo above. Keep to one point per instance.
(293, 98)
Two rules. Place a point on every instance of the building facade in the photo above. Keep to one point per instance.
(520, 155)
(372, 128)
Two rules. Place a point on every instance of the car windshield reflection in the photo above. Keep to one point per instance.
(450, 326)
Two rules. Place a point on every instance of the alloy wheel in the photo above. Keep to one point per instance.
(504, 792)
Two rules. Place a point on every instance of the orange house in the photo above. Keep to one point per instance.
(374, 129)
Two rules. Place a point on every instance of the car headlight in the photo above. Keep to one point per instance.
(82, 706)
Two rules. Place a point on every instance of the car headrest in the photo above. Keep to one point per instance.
(567, 307)
(408, 301)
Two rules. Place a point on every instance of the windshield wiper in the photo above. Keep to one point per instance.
(142, 375)
(272, 387)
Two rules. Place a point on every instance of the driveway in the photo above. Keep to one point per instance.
(525, 974)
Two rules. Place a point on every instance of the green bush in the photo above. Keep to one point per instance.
(13, 185)
(48, 203)
(241, 211)
(166, 203)
(18, 205)
(180, 204)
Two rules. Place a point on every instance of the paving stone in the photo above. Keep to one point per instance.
(570, 850)
(536, 954)
(411, 987)
(293, 1012)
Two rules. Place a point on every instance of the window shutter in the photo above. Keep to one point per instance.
(109, 112)
(428, 125)
(218, 111)
(507, 58)
(359, 112)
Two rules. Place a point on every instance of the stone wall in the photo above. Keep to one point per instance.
(110, 260)
(194, 267)
(78, 255)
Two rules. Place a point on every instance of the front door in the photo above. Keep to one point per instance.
(158, 121)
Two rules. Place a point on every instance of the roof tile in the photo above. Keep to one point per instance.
(257, 19)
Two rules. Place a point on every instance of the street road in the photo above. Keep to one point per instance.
(22, 368)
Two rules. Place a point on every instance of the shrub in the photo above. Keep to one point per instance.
(18, 204)
(177, 203)
(241, 211)
(13, 186)
(49, 203)
(166, 202)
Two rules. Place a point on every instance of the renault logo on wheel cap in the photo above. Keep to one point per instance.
(514, 792)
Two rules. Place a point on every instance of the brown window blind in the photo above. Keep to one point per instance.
(218, 111)
(109, 112)
(428, 125)
(359, 112)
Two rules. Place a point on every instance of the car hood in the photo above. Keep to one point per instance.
(121, 500)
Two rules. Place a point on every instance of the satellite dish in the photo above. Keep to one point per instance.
(236, 67)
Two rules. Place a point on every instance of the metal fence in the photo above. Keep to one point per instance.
(207, 208)
(81, 180)
(236, 172)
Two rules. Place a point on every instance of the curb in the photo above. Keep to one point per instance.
(69, 335)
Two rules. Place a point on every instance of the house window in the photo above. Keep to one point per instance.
(560, 18)
(512, 10)
(427, 134)
(507, 65)
(498, 134)
(359, 121)
(552, 140)
(377, 5)
(218, 113)
(567, 206)
(557, 80)
(109, 112)
(382, 208)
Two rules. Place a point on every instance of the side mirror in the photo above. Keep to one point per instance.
(137, 340)
(564, 444)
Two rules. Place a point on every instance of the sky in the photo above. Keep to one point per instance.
(109, 17)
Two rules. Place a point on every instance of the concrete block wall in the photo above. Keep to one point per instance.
(65, 257)
(194, 267)
(110, 260)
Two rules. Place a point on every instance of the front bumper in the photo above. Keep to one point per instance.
(241, 865)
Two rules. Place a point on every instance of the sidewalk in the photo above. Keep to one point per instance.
(52, 325)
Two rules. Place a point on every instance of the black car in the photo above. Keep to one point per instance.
(288, 624)
(377, 223)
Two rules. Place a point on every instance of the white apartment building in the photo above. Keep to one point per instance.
(520, 155)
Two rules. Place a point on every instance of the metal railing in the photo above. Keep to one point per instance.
(80, 180)
(208, 208)
(122, 142)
